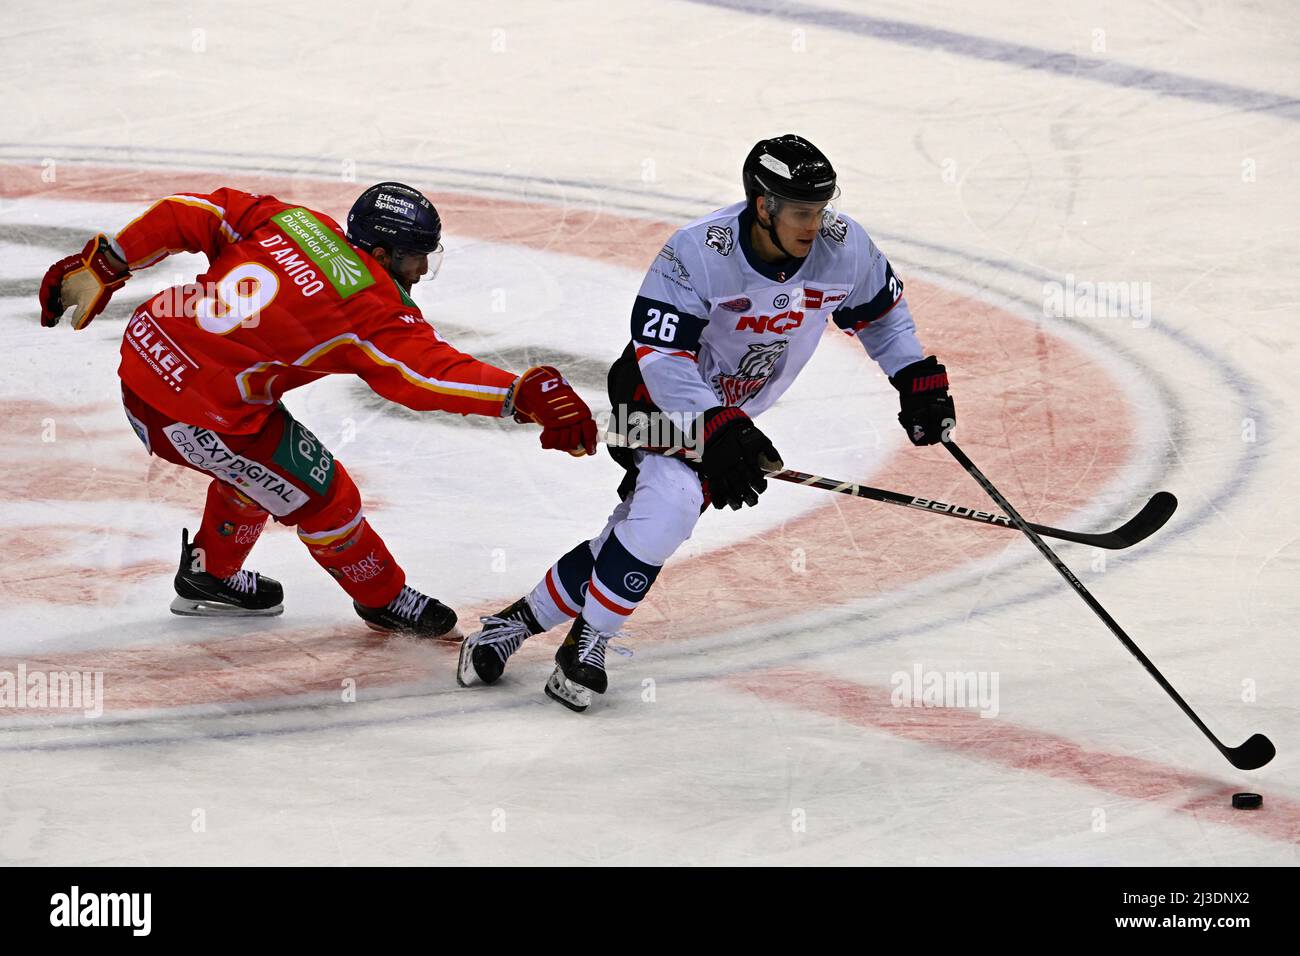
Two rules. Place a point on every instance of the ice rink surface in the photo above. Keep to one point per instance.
(1000, 154)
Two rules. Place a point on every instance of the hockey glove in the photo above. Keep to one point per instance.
(542, 395)
(927, 408)
(84, 282)
(735, 456)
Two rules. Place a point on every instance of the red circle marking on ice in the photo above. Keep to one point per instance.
(1044, 420)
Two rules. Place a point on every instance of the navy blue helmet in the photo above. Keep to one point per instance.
(395, 217)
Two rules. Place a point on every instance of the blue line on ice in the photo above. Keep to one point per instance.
(1108, 72)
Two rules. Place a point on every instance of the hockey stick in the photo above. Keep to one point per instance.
(1142, 525)
(1147, 521)
(1251, 755)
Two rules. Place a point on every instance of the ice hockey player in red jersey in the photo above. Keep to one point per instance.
(727, 316)
(289, 297)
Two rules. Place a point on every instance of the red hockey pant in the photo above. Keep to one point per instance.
(282, 471)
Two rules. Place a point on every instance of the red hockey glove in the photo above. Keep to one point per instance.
(84, 282)
(542, 395)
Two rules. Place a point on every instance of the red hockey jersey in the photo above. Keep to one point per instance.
(285, 300)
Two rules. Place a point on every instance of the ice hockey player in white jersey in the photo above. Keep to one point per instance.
(729, 313)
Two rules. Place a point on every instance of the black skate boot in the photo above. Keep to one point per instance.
(579, 667)
(410, 613)
(243, 594)
(487, 650)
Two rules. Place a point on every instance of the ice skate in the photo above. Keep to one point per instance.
(243, 594)
(579, 667)
(485, 652)
(411, 613)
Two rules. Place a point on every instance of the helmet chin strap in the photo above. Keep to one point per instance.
(771, 232)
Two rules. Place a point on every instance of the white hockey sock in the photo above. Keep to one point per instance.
(559, 595)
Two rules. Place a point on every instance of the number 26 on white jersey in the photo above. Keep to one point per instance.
(666, 322)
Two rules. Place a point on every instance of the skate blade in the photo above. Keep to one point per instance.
(451, 637)
(191, 607)
(465, 664)
(562, 690)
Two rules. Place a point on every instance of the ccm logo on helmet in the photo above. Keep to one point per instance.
(780, 323)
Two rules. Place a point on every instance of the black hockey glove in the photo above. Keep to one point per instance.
(735, 456)
(927, 408)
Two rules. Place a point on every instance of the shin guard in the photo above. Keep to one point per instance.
(232, 523)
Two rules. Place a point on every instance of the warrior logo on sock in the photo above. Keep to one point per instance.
(635, 581)
(755, 368)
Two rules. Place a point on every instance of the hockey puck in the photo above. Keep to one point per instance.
(1247, 801)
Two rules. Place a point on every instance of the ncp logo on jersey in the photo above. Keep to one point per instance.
(781, 323)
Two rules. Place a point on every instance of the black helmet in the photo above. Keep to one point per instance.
(396, 217)
(788, 167)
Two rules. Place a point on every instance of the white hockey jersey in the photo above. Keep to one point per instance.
(714, 324)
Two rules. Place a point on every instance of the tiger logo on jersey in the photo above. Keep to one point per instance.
(752, 373)
(837, 231)
(719, 239)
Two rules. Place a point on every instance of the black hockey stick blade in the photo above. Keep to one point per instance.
(1251, 755)
(1145, 523)
(1150, 519)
